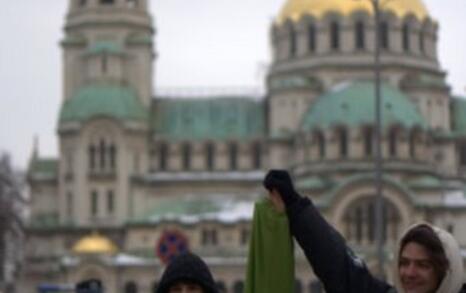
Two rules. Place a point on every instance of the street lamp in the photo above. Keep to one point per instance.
(379, 221)
(379, 207)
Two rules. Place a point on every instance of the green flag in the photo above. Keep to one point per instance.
(271, 258)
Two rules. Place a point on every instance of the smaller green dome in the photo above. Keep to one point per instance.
(353, 104)
(111, 101)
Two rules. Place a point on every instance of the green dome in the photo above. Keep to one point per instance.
(352, 104)
(111, 101)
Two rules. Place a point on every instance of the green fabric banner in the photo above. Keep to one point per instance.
(271, 258)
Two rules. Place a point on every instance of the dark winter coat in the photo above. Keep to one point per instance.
(332, 261)
(187, 267)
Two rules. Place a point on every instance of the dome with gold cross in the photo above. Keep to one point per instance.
(295, 9)
(95, 244)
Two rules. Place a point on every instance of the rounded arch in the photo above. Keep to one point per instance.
(88, 271)
(360, 186)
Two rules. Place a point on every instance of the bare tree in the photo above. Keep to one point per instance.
(11, 227)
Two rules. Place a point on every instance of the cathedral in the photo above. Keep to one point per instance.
(141, 176)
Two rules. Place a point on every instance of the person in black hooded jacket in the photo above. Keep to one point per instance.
(428, 258)
(187, 273)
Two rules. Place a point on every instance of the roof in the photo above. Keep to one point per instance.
(296, 9)
(426, 182)
(191, 209)
(459, 115)
(46, 168)
(216, 118)
(106, 47)
(95, 244)
(353, 103)
(112, 101)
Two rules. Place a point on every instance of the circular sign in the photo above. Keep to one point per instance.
(171, 244)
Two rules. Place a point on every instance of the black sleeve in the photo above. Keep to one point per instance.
(332, 261)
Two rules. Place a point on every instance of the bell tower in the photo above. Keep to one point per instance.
(103, 124)
(108, 42)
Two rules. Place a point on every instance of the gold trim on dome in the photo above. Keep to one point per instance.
(95, 244)
(295, 9)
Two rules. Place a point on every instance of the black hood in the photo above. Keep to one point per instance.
(187, 267)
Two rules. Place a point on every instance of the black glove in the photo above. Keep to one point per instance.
(280, 180)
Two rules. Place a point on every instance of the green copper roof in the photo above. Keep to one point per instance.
(425, 182)
(45, 168)
(208, 118)
(103, 100)
(107, 47)
(191, 209)
(459, 115)
(353, 103)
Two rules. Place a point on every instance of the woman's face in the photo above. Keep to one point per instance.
(185, 287)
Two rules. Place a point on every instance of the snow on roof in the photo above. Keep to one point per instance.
(207, 176)
(130, 260)
(455, 199)
(191, 209)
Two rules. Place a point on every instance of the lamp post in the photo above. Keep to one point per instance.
(379, 220)
(378, 162)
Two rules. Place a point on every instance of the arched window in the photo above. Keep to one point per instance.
(210, 156)
(293, 41)
(233, 156)
(163, 156)
(92, 157)
(334, 35)
(94, 203)
(360, 221)
(131, 287)
(343, 140)
(320, 140)
(311, 41)
(315, 286)
(298, 287)
(384, 35)
(368, 141)
(422, 46)
(360, 36)
(238, 287)
(405, 37)
(102, 154)
(186, 155)
(393, 143)
(112, 156)
(256, 155)
(209, 236)
(110, 201)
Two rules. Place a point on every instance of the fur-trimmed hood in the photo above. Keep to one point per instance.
(453, 280)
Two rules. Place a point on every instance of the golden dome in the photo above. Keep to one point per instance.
(95, 244)
(295, 9)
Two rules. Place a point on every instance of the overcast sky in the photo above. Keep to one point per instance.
(201, 43)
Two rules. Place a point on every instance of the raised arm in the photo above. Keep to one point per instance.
(331, 259)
